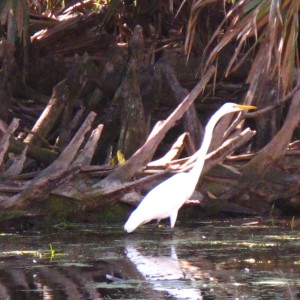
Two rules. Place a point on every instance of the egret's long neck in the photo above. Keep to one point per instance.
(198, 166)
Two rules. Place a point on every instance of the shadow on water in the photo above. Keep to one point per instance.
(229, 259)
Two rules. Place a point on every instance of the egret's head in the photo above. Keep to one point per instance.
(232, 107)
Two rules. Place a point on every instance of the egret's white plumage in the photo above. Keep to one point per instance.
(164, 200)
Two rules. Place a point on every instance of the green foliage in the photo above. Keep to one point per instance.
(52, 252)
(293, 223)
(118, 159)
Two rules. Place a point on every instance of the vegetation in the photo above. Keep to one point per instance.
(84, 85)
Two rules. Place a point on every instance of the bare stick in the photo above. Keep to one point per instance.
(86, 155)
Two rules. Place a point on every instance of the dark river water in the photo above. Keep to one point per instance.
(216, 259)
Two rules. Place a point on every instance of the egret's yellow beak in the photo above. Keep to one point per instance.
(246, 107)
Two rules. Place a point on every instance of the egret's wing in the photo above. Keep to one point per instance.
(162, 202)
(166, 197)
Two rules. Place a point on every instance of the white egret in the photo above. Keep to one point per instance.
(164, 200)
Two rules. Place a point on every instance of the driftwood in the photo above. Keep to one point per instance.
(85, 156)
(40, 154)
(54, 40)
(54, 175)
(275, 150)
(17, 164)
(174, 152)
(38, 190)
(60, 176)
(69, 153)
(59, 107)
(114, 183)
(63, 168)
(120, 92)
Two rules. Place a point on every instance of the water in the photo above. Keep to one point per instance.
(228, 259)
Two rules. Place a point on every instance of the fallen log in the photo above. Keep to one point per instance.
(54, 175)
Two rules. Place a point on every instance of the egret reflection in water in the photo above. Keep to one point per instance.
(164, 273)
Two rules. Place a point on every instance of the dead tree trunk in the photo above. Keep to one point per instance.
(133, 122)
(271, 154)
(62, 101)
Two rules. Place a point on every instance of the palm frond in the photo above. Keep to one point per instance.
(270, 24)
(191, 27)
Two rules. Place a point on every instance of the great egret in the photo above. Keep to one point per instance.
(164, 200)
